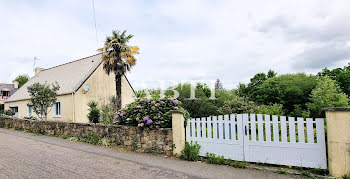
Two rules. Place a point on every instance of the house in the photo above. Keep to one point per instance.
(80, 82)
(6, 90)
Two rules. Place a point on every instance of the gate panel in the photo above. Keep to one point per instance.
(283, 149)
(219, 137)
(255, 138)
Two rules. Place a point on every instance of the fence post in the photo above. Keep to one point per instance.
(178, 127)
(338, 140)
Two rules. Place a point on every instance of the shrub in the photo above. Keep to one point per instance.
(107, 115)
(6, 112)
(94, 114)
(275, 109)
(346, 176)
(95, 139)
(202, 105)
(155, 112)
(237, 105)
(191, 151)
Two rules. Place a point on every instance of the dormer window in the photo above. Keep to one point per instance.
(5, 93)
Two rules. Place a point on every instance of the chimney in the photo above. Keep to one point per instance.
(15, 84)
(38, 70)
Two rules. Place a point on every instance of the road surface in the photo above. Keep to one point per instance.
(25, 155)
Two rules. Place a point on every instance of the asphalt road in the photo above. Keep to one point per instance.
(25, 155)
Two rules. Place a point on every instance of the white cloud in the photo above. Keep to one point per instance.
(179, 40)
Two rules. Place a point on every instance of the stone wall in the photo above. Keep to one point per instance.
(132, 138)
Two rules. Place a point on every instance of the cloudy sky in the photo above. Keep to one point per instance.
(180, 40)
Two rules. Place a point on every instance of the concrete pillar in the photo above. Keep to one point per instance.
(338, 140)
(178, 127)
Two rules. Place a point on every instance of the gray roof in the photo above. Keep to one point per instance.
(10, 87)
(70, 76)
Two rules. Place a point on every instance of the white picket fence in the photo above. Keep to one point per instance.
(256, 138)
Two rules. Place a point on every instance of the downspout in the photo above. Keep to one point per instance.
(73, 99)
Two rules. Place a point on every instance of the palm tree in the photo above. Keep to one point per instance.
(118, 58)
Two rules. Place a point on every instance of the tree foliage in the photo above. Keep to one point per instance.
(94, 112)
(118, 57)
(340, 75)
(21, 79)
(199, 107)
(288, 90)
(326, 94)
(287, 94)
(275, 109)
(43, 96)
(237, 105)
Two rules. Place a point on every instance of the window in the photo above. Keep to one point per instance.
(14, 110)
(29, 110)
(5, 93)
(57, 109)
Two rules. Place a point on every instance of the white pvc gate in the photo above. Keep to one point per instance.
(257, 138)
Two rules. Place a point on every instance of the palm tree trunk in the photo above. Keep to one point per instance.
(118, 87)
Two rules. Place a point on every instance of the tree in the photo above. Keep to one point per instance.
(43, 96)
(94, 114)
(245, 90)
(118, 58)
(288, 90)
(326, 94)
(21, 79)
(218, 85)
(340, 75)
(271, 74)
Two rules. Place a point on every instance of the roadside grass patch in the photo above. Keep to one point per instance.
(239, 164)
(282, 171)
(73, 139)
(105, 142)
(307, 174)
(38, 131)
(319, 171)
(63, 136)
(220, 160)
(213, 159)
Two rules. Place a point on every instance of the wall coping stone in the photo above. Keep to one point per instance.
(336, 109)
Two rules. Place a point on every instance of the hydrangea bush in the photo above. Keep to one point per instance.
(154, 112)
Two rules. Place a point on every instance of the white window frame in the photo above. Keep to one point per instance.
(55, 111)
(29, 110)
(14, 106)
(41, 114)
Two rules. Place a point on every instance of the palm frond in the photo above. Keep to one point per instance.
(117, 56)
